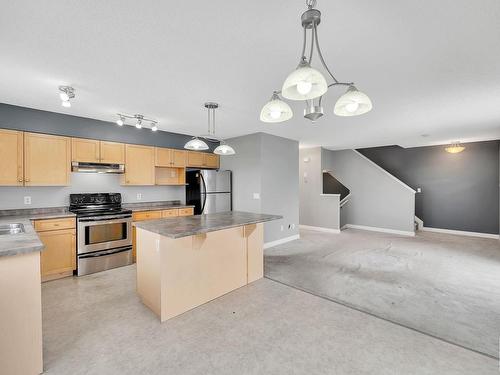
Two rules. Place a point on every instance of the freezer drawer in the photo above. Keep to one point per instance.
(104, 260)
(217, 202)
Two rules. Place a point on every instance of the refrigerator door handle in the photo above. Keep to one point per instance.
(205, 195)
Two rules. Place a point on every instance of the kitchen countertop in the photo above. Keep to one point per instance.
(154, 206)
(28, 241)
(178, 227)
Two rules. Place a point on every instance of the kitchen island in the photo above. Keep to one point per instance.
(185, 262)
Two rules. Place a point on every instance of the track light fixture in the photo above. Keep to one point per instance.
(308, 84)
(66, 93)
(139, 121)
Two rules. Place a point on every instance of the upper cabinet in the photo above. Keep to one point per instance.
(202, 160)
(139, 165)
(11, 158)
(93, 151)
(112, 152)
(166, 157)
(47, 160)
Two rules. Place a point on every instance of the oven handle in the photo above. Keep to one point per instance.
(104, 219)
(106, 252)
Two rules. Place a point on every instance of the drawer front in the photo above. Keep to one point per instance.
(186, 211)
(146, 215)
(54, 224)
(170, 213)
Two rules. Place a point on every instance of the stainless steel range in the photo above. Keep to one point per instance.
(104, 232)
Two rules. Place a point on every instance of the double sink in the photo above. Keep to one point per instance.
(11, 229)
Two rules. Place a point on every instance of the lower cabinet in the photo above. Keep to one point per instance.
(58, 259)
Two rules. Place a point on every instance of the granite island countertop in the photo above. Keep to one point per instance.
(155, 206)
(178, 227)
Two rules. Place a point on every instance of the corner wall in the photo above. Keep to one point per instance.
(268, 166)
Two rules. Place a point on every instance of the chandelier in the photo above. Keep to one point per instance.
(198, 144)
(309, 85)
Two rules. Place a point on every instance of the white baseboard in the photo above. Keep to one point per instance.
(461, 233)
(319, 229)
(267, 245)
(420, 222)
(384, 230)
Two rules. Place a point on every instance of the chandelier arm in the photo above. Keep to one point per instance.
(315, 33)
(213, 125)
(304, 44)
(341, 84)
(312, 44)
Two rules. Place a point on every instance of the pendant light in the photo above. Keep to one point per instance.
(352, 103)
(276, 110)
(197, 144)
(455, 148)
(307, 83)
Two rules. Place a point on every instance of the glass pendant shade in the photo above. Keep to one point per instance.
(304, 83)
(276, 110)
(353, 103)
(196, 144)
(455, 148)
(224, 149)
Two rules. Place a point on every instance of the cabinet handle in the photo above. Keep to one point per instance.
(20, 180)
(27, 180)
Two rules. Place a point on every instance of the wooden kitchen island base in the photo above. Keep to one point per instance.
(175, 275)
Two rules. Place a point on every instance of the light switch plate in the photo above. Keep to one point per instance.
(419, 190)
(139, 196)
(256, 195)
(27, 200)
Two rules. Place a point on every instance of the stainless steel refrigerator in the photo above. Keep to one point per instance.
(209, 191)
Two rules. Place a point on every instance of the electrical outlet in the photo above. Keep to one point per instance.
(139, 196)
(419, 190)
(282, 228)
(256, 195)
(27, 200)
(293, 226)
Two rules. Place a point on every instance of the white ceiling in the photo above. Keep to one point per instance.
(430, 67)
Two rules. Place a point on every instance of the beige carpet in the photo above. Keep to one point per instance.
(443, 285)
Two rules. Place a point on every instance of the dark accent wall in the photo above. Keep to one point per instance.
(459, 191)
(333, 186)
(33, 120)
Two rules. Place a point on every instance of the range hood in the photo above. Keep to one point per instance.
(97, 167)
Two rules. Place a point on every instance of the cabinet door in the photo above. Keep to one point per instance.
(195, 159)
(59, 255)
(85, 150)
(178, 158)
(11, 158)
(112, 152)
(47, 160)
(170, 213)
(163, 157)
(188, 211)
(211, 161)
(139, 165)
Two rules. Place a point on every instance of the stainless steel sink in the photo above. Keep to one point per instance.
(9, 229)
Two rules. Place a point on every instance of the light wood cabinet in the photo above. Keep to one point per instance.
(170, 176)
(58, 259)
(93, 151)
(166, 157)
(139, 165)
(85, 150)
(11, 158)
(202, 159)
(188, 211)
(112, 152)
(170, 213)
(47, 160)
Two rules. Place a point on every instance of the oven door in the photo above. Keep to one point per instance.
(104, 233)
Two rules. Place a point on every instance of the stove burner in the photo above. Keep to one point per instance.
(96, 204)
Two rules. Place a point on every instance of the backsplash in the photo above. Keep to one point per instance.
(57, 196)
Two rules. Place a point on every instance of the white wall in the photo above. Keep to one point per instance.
(377, 199)
(316, 210)
(266, 165)
(13, 197)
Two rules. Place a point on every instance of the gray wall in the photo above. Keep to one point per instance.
(459, 191)
(316, 210)
(377, 199)
(51, 196)
(266, 165)
(33, 120)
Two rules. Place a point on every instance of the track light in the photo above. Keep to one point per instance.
(139, 121)
(65, 94)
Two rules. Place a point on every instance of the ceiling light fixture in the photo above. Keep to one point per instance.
(455, 148)
(307, 84)
(66, 93)
(198, 144)
(276, 110)
(140, 120)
